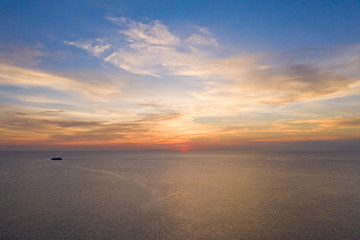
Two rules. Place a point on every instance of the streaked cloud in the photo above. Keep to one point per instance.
(350, 123)
(160, 86)
(17, 76)
(95, 47)
(153, 33)
(24, 55)
(281, 85)
(152, 49)
(203, 38)
(19, 126)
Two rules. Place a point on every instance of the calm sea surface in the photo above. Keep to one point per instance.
(180, 195)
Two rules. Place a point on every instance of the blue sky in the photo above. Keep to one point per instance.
(178, 74)
(254, 24)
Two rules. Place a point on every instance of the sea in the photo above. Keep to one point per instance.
(180, 195)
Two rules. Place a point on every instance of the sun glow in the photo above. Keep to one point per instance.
(148, 84)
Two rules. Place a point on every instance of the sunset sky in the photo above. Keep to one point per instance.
(179, 75)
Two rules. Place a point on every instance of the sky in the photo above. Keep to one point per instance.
(180, 75)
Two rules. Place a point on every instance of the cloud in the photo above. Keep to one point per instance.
(203, 38)
(329, 125)
(180, 88)
(25, 55)
(351, 123)
(153, 33)
(22, 77)
(160, 117)
(57, 127)
(279, 85)
(152, 49)
(96, 47)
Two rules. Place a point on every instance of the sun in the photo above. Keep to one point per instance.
(183, 147)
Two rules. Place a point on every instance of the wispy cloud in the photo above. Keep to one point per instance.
(280, 85)
(96, 47)
(151, 127)
(25, 55)
(177, 89)
(203, 38)
(152, 49)
(153, 33)
(16, 76)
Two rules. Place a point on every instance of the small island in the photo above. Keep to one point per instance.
(56, 158)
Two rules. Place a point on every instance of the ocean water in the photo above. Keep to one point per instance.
(180, 195)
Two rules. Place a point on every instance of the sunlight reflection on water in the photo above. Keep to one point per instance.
(180, 195)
